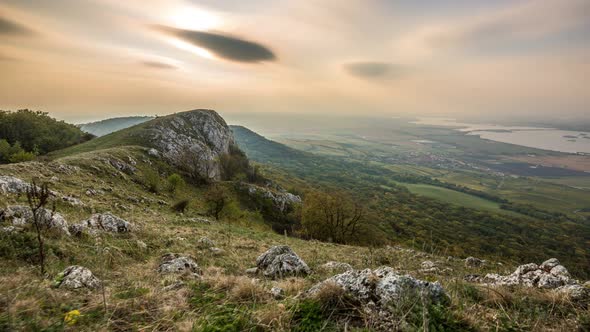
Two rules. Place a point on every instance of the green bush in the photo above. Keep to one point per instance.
(175, 182)
(151, 179)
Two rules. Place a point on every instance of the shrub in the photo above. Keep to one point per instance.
(180, 206)
(175, 182)
(216, 199)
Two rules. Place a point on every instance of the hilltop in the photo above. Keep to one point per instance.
(155, 265)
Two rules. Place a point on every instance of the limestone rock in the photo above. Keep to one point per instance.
(280, 197)
(576, 293)
(12, 185)
(277, 293)
(176, 263)
(76, 277)
(550, 275)
(474, 262)
(106, 222)
(252, 271)
(194, 139)
(21, 215)
(383, 286)
(281, 261)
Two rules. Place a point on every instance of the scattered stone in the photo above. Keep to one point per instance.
(336, 266)
(73, 201)
(122, 166)
(429, 267)
(205, 243)
(54, 179)
(281, 261)
(252, 271)
(142, 245)
(175, 263)
(94, 192)
(67, 169)
(153, 152)
(382, 286)
(474, 262)
(102, 222)
(549, 275)
(199, 220)
(21, 215)
(12, 185)
(76, 277)
(10, 229)
(277, 293)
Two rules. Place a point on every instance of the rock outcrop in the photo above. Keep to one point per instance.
(382, 286)
(12, 185)
(194, 139)
(76, 277)
(474, 262)
(550, 275)
(178, 264)
(20, 215)
(106, 222)
(280, 262)
(279, 196)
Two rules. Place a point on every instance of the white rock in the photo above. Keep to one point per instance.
(175, 263)
(281, 261)
(76, 277)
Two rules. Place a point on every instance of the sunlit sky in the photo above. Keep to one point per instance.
(91, 59)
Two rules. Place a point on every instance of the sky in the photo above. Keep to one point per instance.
(84, 60)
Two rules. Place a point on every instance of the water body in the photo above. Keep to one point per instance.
(534, 137)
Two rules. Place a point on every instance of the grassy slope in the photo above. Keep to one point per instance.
(225, 299)
(454, 197)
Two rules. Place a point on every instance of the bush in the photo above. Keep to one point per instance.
(216, 199)
(180, 206)
(175, 182)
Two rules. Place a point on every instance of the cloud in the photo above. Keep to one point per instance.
(158, 65)
(8, 27)
(373, 70)
(223, 45)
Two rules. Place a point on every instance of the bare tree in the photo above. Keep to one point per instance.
(38, 198)
(198, 165)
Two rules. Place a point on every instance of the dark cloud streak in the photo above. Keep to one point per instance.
(158, 65)
(372, 70)
(223, 45)
(8, 27)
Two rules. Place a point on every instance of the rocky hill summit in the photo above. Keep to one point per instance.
(194, 140)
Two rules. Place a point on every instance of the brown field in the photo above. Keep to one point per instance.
(573, 162)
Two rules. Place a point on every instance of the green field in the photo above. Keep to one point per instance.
(453, 197)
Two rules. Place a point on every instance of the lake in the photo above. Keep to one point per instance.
(535, 137)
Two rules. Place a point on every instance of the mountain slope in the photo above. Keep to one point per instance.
(156, 268)
(105, 127)
(423, 222)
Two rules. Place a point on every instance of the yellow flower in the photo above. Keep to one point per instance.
(71, 317)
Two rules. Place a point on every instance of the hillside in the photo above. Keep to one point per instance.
(152, 266)
(423, 222)
(105, 127)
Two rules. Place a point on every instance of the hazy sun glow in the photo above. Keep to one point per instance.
(191, 48)
(191, 18)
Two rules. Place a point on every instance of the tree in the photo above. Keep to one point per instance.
(330, 217)
(216, 199)
(197, 165)
(38, 197)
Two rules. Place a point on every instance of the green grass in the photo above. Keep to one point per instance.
(453, 197)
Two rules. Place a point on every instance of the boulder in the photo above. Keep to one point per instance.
(281, 261)
(106, 222)
(576, 293)
(279, 197)
(21, 215)
(76, 277)
(176, 263)
(383, 286)
(474, 262)
(12, 185)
